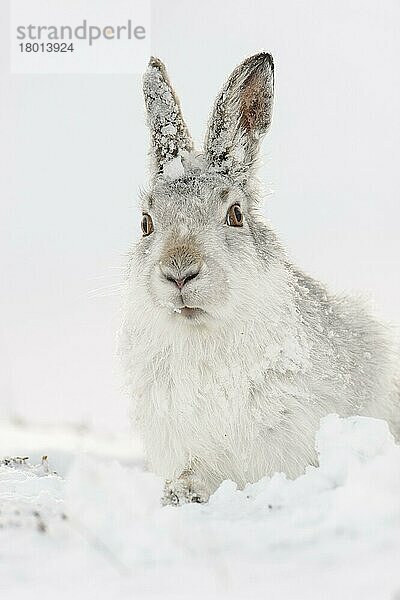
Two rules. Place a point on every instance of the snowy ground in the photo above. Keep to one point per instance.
(98, 531)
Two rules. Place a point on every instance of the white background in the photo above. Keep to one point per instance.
(74, 156)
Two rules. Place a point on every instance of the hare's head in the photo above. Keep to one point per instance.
(204, 247)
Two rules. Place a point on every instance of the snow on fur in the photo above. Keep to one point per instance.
(241, 116)
(168, 130)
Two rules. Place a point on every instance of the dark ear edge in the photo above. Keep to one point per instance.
(242, 114)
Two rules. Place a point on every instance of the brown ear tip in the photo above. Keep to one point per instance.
(269, 59)
(156, 62)
(264, 59)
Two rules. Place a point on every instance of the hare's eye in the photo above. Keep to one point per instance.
(234, 216)
(147, 224)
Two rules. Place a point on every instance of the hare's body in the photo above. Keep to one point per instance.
(232, 356)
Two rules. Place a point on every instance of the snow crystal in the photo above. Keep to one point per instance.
(173, 169)
(168, 129)
(171, 306)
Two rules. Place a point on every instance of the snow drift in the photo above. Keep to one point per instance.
(333, 532)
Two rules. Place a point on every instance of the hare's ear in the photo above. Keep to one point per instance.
(241, 115)
(169, 134)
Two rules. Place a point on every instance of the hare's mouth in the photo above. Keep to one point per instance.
(191, 312)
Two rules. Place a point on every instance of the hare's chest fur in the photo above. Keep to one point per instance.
(224, 409)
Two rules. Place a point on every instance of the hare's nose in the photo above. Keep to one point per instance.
(181, 282)
(181, 279)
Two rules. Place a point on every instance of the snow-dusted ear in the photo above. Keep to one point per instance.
(241, 115)
(169, 134)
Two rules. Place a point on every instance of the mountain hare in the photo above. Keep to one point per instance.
(232, 355)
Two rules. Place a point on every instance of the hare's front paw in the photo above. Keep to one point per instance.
(187, 488)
